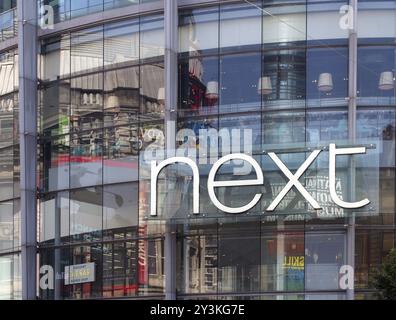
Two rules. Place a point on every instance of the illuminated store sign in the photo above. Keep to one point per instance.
(294, 262)
(293, 180)
(80, 273)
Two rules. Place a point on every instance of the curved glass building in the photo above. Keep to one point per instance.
(196, 149)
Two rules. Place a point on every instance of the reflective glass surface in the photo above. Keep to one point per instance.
(269, 79)
(100, 93)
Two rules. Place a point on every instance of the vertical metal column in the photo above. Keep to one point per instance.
(171, 49)
(280, 256)
(57, 255)
(27, 49)
(352, 93)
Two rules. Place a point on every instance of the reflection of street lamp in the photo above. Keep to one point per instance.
(386, 81)
(212, 90)
(264, 86)
(161, 96)
(325, 82)
(212, 93)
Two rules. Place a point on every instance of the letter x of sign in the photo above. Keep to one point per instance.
(293, 180)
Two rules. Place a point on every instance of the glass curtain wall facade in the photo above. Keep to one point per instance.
(10, 246)
(266, 69)
(98, 94)
(253, 77)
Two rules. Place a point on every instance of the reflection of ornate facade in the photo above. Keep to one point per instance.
(106, 109)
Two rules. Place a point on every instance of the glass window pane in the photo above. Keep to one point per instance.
(376, 72)
(121, 97)
(6, 226)
(86, 214)
(55, 58)
(151, 265)
(153, 149)
(86, 159)
(324, 255)
(244, 132)
(110, 4)
(324, 21)
(55, 108)
(54, 218)
(16, 69)
(198, 264)
(239, 78)
(55, 165)
(152, 37)
(120, 206)
(82, 255)
(326, 126)
(16, 168)
(284, 23)
(61, 9)
(198, 30)
(375, 21)
(87, 102)
(327, 83)
(240, 26)
(284, 79)
(87, 137)
(379, 125)
(285, 265)
(84, 7)
(121, 42)
(7, 73)
(283, 127)
(10, 277)
(199, 86)
(239, 257)
(6, 173)
(8, 20)
(17, 223)
(152, 94)
(121, 148)
(87, 50)
(122, 135)
(6, 120)
(120, 268)
(372, 246)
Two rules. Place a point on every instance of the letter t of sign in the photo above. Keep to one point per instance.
(333, 152)
(293, 180)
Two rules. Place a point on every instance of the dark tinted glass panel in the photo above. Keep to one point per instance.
(239, 81)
